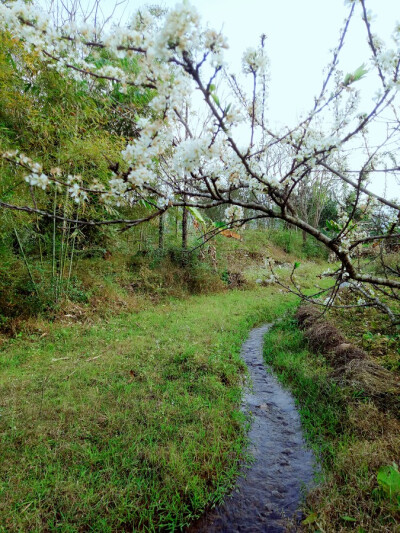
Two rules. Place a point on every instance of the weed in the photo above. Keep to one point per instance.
(353, 439)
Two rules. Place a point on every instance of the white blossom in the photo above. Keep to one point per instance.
(77, 193)
(233, 212)
(254, 61)
(38, 180)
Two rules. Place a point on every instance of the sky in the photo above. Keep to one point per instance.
(300, 35)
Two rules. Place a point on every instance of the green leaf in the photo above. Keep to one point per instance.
(348, 79)
(220, 224)
(311, 518)
(216, 99)
(296, 265)
(10, 60)
(360, 72)
(355, 76)
(332, 225)
(145, 204)
(348, 518)
(197, 215)
(388, 478)
(212, 88)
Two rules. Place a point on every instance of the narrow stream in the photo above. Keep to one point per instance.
(271, 488)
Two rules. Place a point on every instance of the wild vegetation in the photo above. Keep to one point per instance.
(133, 420)
(146, 75)
(351, 420)
(140, 242)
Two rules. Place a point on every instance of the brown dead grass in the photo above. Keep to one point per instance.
(236, 280)
(372, 381)
(323, 337)
(370, 423)
(344, 353)
(306, 315)
(351, 365)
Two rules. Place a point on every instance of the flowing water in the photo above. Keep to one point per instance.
(270, 490)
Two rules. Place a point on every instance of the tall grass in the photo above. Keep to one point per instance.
(352, 438)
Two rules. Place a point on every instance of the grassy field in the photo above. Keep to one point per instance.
(356, 442)
(131, 423)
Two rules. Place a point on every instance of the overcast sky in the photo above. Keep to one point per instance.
(300, 35)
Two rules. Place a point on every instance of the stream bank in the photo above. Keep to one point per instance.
(270, 489)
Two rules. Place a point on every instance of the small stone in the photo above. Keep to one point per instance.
(287, 451)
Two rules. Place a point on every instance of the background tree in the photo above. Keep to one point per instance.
(173, 57)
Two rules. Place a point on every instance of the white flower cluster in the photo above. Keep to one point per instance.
(38, 180)
(154, 140)
(77, 193)
(190, 154)
(317, 145)
(179, 33)
(36, 177)
(254, 62)
(118, 186)
(234, 117)
(168, 53)
(141, 175)
(216, 43)
(233, 212)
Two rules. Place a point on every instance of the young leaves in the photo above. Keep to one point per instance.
(355, 76)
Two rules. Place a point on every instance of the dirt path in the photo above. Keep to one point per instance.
(272, 486)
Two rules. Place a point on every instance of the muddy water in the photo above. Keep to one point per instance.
(271, 488)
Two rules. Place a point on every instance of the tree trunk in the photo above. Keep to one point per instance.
(184, 228)
(161, 232)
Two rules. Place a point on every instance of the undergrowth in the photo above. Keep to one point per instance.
(108, 277)
(353, 440)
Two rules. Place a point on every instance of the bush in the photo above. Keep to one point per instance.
(175, 271)
(291, 241)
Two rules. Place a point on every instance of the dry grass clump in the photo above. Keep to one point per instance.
(30, 325)
(345, 352)
(369, 423)
(3, 339)
(323, 337)
(371, 380)
(236, 280)
(352, 366)
(306, 315)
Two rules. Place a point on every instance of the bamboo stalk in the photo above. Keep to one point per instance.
(72, 250)
(25, 261)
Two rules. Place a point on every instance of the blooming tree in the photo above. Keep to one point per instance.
(237, 159)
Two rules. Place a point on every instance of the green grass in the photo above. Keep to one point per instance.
(353, 440)
(128, 424)
(322, 402)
